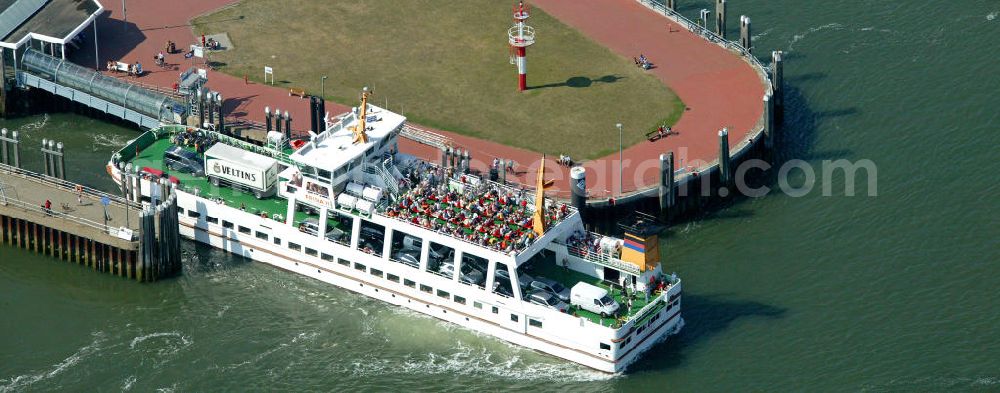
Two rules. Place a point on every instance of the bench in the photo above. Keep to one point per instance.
(295, 91)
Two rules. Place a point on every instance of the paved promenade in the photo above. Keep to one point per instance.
(719, 88)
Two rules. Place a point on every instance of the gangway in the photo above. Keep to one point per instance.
(113, 96)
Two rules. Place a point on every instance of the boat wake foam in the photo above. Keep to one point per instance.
(173, 342)
(104, 141)
(35, 125)
(21, 382)
(799, 37)
(470, 361)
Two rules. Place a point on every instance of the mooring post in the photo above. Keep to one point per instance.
(16, 141)
(725, 171)
(288, 125)
(222, 117)
(777, 81)
(45, 157)
(267, 117)
(313, 124)
(745, 33)
(201, 108)
(210, 97)
(51, 157)
(503, 171)
(578, 189)
(768, 122)
(321, 113)
(720, 18)
(277, 121)
(3, 141)
(60, 161)
(703, 18)
(664, 194)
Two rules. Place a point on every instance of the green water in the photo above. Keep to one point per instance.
(890, 293)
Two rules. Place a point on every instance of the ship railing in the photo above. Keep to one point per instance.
(711, 36)
(653, 304)
(600, 256)
(425, 137)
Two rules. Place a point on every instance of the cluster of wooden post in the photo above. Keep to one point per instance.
(56, 243)
(55, 160)
(456, 158)
(273, 121)
(317, 114)
(210, 103)
(10, 148)
(159, 245)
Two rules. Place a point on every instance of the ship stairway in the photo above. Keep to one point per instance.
(382, 171)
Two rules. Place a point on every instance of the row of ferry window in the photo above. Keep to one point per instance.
(428, 289)
(375, 272)
(439, 261)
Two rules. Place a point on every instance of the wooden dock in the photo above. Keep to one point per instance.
(82, 225)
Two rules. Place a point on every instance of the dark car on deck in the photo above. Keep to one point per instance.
(178, 159)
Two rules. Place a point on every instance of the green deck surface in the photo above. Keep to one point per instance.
(546, 267)
(152, 157)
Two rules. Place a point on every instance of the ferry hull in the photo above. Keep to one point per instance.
(346, 280)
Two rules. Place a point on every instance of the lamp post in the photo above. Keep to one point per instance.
(621, 187)
(322, 83)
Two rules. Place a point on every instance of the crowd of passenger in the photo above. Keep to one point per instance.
(486, 213)
(588, 244)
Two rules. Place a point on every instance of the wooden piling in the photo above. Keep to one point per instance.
(725, 163)
(720, 18)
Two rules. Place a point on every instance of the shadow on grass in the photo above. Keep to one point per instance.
(202, 23)
(704, 316)
(580, 81)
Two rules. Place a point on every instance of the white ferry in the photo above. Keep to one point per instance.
(345, 207)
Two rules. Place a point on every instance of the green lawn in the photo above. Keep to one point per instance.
(446, 65)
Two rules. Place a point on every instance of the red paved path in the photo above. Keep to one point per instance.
(718, 87)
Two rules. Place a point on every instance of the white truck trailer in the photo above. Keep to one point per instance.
(240, 169)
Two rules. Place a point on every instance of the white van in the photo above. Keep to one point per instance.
(593, 299)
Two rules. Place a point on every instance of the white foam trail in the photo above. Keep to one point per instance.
(173, 342)
(101, 140)
(469, 361)
(127, 384)
(799, 37)
(138, 340)
(991, 16)
(761, 34)
(36, 125)
(23, 381)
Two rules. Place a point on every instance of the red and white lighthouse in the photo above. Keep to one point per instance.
(521, 36)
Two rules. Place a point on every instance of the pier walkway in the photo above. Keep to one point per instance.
(75, 223)
(23, 195)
